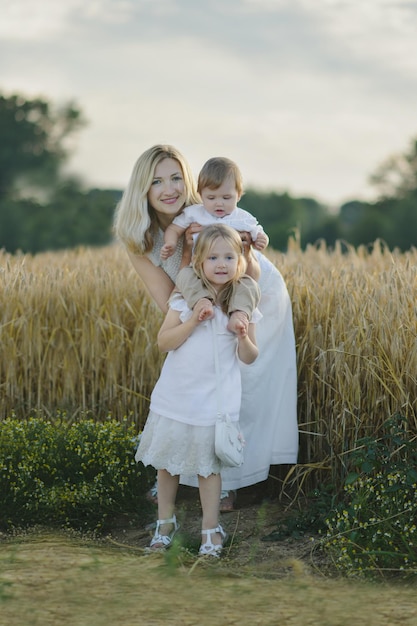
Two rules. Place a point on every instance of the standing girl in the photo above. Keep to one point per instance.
(178, 437)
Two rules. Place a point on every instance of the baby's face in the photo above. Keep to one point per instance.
(221, 201)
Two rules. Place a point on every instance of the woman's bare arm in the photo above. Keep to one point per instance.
(253, 268)
(157, 283)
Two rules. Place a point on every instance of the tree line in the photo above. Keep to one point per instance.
(42, 208)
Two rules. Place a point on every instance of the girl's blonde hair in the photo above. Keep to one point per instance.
(204, 244)
(215, 171)
(135, 221)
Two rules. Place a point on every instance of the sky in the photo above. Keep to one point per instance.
(307, 96)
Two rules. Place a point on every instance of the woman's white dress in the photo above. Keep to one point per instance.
(268, 416)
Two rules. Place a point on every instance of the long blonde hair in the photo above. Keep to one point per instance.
(205, 242)
(135, 222)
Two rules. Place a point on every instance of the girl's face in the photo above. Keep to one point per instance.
(221, 201)
(221, 264)
(167, 192)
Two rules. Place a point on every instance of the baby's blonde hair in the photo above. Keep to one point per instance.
(135, 221)
(205, 242)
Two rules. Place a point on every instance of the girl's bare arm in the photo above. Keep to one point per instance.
(173, 332)
(246, 347)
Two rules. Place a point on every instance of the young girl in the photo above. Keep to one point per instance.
(178, 437)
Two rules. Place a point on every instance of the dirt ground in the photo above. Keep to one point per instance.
(49, 578)
(255, 516)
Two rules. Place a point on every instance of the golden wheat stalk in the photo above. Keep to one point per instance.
(78, 334)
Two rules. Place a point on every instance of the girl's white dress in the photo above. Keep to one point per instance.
(268, 416)
(179, 432)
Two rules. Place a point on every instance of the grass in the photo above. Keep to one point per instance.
(48, 579)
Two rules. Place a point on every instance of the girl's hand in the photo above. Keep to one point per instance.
(238, 322)
(203, 310)
(241, 330)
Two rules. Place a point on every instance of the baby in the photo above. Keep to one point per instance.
(220, 186)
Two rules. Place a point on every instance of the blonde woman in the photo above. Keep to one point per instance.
(160, 186)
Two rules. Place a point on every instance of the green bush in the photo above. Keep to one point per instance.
(373, 532)
(310, 516)
(78, 475)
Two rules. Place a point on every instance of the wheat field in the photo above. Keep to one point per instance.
(78, 336)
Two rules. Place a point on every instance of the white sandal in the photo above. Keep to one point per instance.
(209, 548)
(164, 540)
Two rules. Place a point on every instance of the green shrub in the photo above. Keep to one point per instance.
(309, 518)
(77, 475)
(373, 532)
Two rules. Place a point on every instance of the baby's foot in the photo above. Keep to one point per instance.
(205, 309)
(238, 322)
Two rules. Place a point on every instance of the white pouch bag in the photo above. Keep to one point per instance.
(228, 440)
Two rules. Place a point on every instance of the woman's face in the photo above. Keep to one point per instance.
(167, 192)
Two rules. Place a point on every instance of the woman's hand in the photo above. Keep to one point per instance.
(187, 250)
(247, 244)
(253, 268)
(191, 230)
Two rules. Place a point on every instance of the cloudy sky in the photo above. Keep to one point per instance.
(307, 96)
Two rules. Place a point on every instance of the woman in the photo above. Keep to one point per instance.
(160, 186)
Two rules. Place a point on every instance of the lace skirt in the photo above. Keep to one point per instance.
(177, 447)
